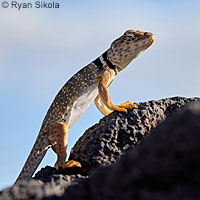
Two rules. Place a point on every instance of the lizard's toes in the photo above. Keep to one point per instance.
(128, 104)
(71, 163)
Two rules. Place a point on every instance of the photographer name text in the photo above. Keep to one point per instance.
(27, 5)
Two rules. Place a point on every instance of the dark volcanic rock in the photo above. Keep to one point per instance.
(163, 166)
(49, 184)
(105, 142)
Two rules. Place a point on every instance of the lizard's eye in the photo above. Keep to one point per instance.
(130, 38)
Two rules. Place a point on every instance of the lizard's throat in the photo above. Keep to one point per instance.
(124, 63)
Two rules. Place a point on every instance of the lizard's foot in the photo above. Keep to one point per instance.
(68, 164)
(128, 104)
(118, 108)
(72, 163)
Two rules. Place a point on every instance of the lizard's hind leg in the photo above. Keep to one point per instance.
(58, 135)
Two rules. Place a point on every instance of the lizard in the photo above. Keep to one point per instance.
(88, 84)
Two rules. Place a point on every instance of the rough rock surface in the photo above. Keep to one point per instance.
(165, 165)
(103, 143)
(49, 184)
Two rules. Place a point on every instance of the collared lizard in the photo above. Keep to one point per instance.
(89, 84)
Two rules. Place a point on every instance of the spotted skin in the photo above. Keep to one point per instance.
(89, 84)
(69, 93)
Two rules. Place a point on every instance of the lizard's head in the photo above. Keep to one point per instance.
(124, 49)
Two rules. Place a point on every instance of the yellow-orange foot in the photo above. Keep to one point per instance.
(71, 163)
(128, 104)
(118, 108)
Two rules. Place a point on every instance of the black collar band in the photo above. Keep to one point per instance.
(99, 64)
(105, 57)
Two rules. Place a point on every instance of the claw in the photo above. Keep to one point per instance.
(128, 104)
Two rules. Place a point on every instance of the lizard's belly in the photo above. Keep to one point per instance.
(81, 104)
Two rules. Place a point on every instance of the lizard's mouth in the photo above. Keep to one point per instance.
(153, 38)
(149, 43)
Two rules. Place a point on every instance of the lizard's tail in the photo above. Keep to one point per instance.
(35, 157)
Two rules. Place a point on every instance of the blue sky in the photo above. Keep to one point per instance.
(42, 48)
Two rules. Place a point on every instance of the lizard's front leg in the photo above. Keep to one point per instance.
(105, 97)
(58, 135)
(101, 106)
